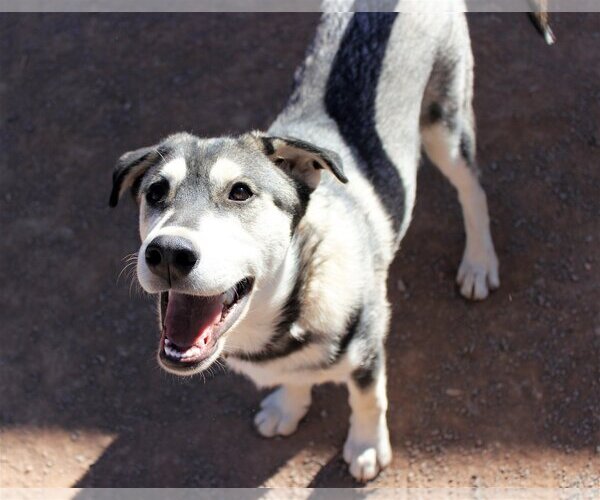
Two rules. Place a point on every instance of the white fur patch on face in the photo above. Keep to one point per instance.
(149, 229)
(174, 170)
(224, 170)
(150, 225)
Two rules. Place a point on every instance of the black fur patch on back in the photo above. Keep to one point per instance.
(350, 101)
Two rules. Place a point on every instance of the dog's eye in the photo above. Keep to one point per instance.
(157, 192)
(240, 192)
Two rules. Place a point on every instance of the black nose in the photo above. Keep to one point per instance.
(171, 257)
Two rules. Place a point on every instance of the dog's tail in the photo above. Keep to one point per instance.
(539, 18)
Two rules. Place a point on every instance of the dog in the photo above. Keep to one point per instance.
(272, 249)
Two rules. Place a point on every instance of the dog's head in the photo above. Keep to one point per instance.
(216, 220)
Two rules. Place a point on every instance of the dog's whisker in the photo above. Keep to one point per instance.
(127, 270)
(134, 286)
(221, 364)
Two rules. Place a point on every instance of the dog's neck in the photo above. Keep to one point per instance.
(268, 303)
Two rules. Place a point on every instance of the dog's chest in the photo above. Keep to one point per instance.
(294, 369)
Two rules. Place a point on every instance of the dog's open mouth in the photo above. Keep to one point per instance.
(192, 326)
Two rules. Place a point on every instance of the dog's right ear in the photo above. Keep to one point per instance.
(299, 159)
(130, 170)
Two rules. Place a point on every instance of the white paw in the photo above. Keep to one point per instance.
(281, 411)
(367, 457)
(478, 274)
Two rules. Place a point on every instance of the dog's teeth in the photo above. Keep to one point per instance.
(229, 297)
(167, 341)
(191, 352)
(177, 354)
(172, 353)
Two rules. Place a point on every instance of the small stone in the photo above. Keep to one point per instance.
(401, 286)
(453, 392)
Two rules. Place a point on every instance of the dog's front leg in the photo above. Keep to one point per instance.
(367, 449)
(282, 410)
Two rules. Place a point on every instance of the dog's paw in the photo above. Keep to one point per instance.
(281, 411)
(366, 458)
(478, 274)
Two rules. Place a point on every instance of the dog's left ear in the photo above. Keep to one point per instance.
(301, 160)
(130, 169)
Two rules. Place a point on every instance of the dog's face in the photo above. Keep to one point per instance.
(216, 220)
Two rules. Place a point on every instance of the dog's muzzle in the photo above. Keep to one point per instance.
(192, 326)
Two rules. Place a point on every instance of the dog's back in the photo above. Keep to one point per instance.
(371, 81)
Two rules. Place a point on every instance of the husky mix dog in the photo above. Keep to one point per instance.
(272, 249)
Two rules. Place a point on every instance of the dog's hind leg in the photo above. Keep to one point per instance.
(367, 449)
(478, 271)
(448, 136)
(282, 410)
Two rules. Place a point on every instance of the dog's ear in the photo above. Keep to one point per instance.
(301, 160)
(130, 169)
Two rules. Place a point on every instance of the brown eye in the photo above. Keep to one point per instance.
(240, 192)
(157, 192)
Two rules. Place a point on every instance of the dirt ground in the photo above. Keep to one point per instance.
(500, 393)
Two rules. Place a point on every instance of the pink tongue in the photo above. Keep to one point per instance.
(189, 317)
